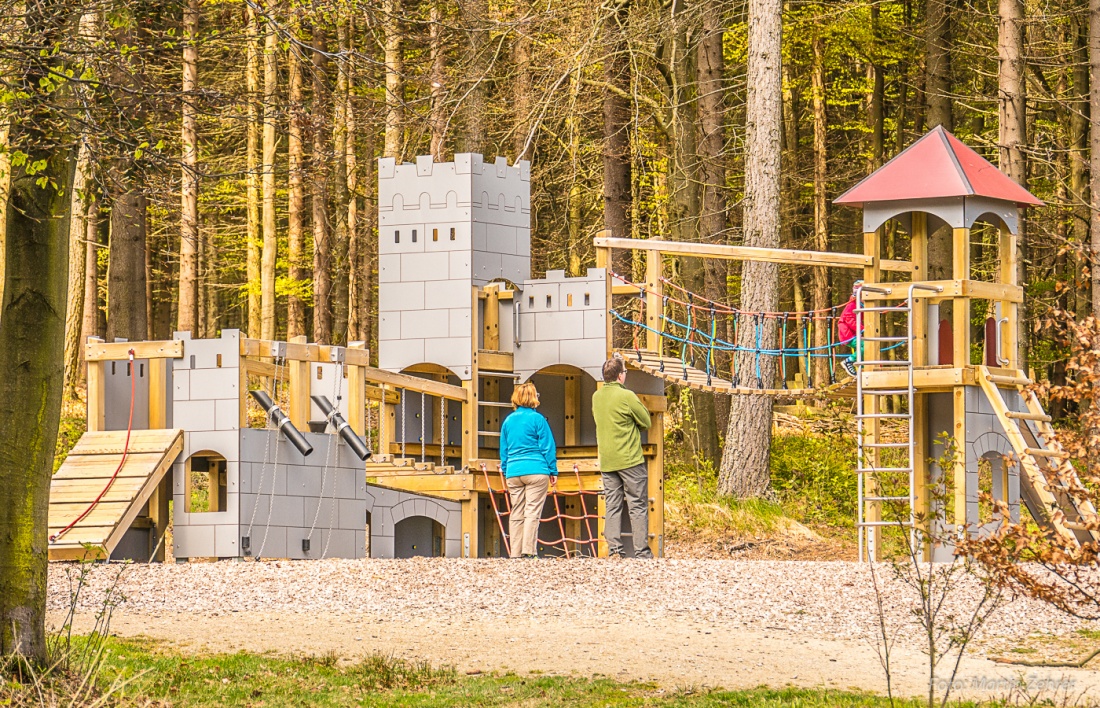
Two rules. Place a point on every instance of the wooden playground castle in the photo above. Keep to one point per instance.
(461, 322)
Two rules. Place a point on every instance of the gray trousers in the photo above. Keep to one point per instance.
(634, 482)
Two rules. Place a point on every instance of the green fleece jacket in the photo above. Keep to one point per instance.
(620, 419)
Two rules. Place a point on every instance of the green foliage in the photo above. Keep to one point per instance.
(694, 509)
(812, 475)
(73, 425)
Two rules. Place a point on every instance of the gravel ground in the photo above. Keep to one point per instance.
(682, 623)
(824, 599)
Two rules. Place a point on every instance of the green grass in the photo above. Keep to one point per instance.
(150, 672)
(813, 478)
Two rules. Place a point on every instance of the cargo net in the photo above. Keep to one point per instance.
(583, 501)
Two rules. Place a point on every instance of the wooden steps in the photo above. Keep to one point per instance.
(674, 371)
(87, 471)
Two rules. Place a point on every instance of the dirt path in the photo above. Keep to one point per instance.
(679, 623)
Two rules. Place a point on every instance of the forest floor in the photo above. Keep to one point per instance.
(677, 623)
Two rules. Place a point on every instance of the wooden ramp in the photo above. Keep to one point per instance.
(674, 371)
(87, 471)
(1049, 484)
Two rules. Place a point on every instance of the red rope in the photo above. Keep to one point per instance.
(125, 454)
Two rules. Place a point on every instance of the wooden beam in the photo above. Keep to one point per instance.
(572, 410)
(872, 273)
(1008, 256)
(738, 253)
(117, 351)
(488, 360)
(652, 403)
(949, 289)
(470, 526)
(490, 326)
(919, 254)
(414, 383)
(158, 393)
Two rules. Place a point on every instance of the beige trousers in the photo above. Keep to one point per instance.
(528, 493)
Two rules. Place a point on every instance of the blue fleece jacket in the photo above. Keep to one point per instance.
(527, 445)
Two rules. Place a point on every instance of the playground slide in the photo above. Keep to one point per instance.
(86, 476)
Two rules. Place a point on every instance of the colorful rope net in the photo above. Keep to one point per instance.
(701, 328)
(587, 502)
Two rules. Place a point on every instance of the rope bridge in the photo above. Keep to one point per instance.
(695, 333)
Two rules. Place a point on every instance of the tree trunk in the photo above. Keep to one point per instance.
(5, 183)
(340, 191)
(127, 315)
(252, 188)
(32, 335)
(820, 294)
(355, 246)
(89, 325)
(616, 129)
(876, 118)
(295, 208)
(189, 212)
(472, 137)
(1078, 162)
(270, 238)
(747, 454)
(322, 246)
(1094, 151)
(395, 82)
(937, 64)
(438, 116)
(77, 261)
(1012, 121)
(712, 177)
(521, 83)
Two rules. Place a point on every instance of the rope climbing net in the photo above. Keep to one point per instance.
(700, 329)
(586, 501)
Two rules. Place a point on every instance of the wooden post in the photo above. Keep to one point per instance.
(470, 418)
(97, 412)
(653, 301)
(158, 394)
(872, 246)
(158, 513)
(470, 525)
(491, 327)
(919, 249)
(357, 394)
(387, 425)
(1010, 332)
(298, 378)
(922, 507)
(601, 512)
(959, 433)
(961, 310)
(572, 410)
(657, 486)
(603, 260)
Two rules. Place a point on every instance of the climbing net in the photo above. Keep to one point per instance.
(587, 501)
(701, 329)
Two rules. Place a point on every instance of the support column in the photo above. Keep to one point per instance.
(298, 379)
(960, 270)
(872, 246)
(1010, 332)
(653, 301)
(656, 469)
(97, 395)
(572, 410)
(357, 395)
(603, 260)
(470, 520)
(959, 432)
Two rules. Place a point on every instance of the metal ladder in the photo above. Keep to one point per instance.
(867, 461)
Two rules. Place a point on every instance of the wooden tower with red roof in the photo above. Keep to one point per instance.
(938, 424)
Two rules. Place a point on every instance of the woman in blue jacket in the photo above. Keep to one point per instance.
(528, 458)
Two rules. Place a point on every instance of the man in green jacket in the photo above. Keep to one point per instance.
(620, 419)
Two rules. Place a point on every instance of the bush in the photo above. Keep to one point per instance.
(812, 475)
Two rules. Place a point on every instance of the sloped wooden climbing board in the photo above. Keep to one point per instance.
(87, 471)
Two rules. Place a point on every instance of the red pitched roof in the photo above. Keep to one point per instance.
(938, 165)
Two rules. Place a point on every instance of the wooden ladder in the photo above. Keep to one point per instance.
(1051, 489)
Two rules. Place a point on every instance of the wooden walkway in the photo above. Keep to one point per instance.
(87, 471)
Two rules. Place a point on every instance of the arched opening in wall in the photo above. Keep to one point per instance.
(418, 536)
(205, 483)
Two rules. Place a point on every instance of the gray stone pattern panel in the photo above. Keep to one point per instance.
(117, 390)
(562, 321)
(286, 497)
(388, 507)
(444, 227)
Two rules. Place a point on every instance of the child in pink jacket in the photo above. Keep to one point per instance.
(846, 329)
